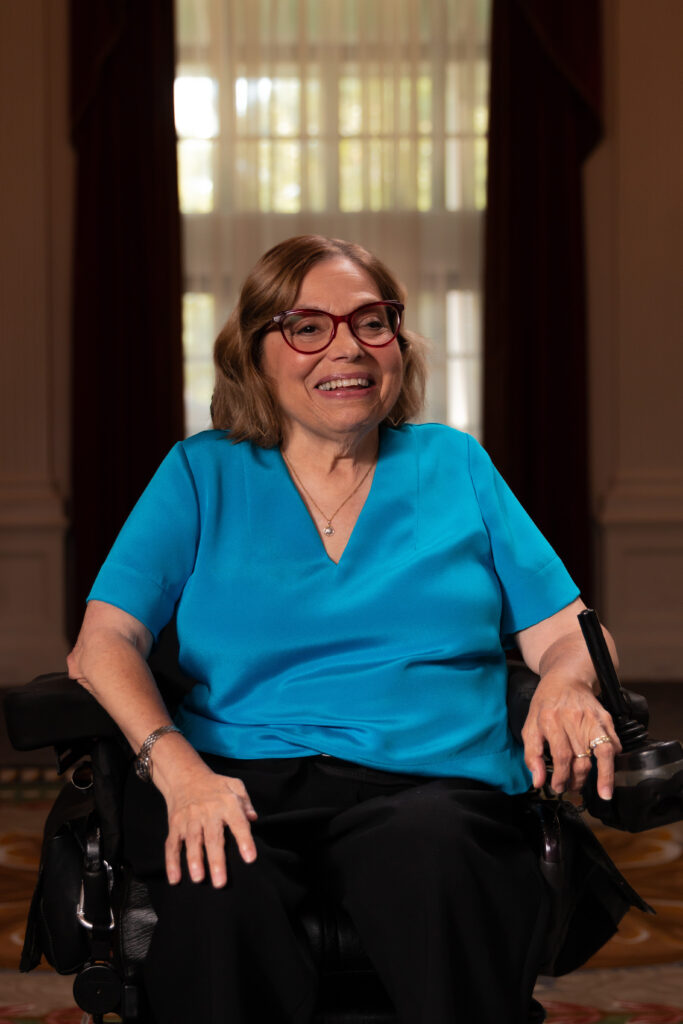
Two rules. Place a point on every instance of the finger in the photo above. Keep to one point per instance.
(563, 758)
(536, 766)
(172, 857)
(561, 752)
(194, 852)
(248, 808)
(612, 733)
(604, 727)
(533, 758)
(581, 767)
(558, 734)
(214, 844)
(604, 756)
(238, 787)
(572, 766)
(239, 825)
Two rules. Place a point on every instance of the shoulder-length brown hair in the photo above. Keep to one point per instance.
(243, 401)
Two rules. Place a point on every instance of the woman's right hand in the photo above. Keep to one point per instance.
(200, 805)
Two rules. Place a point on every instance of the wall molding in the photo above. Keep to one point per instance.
(644, 496)
(642, 569)
(32, 637)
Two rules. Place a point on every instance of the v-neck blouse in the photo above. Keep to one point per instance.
(394, 656)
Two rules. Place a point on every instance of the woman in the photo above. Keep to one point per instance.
(344, 585)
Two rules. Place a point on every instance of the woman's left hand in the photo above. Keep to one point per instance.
(564, 712)
(567, 716)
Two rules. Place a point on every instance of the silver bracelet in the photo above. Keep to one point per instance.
(143, 762)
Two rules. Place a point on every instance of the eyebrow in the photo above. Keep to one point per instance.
(319, 309)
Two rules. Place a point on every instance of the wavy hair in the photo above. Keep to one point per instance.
(243, 402)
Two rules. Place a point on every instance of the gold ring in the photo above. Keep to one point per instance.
(598, 740)
(577, 756)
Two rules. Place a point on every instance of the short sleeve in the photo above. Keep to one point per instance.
(153, 556)
(534, 582)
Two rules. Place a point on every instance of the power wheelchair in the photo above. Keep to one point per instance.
(91, 917)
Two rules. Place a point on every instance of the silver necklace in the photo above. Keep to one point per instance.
(329, 529)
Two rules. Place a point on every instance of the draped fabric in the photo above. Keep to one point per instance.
(545, 117)
(361, 119)
(127, 354)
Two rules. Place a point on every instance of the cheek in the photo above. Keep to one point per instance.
(393, 372)
(287, 376)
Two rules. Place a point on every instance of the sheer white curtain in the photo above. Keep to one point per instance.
(360, 119)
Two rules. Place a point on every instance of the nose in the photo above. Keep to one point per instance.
(344, 345)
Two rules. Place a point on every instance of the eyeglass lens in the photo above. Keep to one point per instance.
(372, 325)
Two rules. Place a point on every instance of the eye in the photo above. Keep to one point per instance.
(306, 329)
(304, 326)
(372, 323)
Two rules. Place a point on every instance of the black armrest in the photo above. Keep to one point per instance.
(522, 683)
(54, 710)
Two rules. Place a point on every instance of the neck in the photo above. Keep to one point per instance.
(327, 456)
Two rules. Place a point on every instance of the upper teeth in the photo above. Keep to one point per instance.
(346, 382)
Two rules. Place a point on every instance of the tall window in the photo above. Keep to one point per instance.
(360, 119)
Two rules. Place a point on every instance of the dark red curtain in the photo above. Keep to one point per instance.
(127, 356)
(545, 119)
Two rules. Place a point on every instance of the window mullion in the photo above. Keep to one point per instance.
(329, 78)
(439, 43)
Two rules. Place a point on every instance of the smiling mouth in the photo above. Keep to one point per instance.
(345, 384)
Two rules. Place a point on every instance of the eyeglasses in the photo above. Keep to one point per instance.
(312, 330)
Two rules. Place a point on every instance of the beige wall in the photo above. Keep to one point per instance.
(635, 235)
(635, 231)
(35, 214)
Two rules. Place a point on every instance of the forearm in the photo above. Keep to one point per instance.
(555, 647)
(114, 671)
(567, 657)
(113, 668)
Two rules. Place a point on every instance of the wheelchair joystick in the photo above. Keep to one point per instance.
(648, 774)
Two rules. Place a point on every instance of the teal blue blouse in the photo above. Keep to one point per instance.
(391, 658)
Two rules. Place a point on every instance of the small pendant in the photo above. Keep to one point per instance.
(329, 530)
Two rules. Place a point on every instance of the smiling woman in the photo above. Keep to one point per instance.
(344, 584)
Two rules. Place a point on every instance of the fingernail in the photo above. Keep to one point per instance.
(248, 854)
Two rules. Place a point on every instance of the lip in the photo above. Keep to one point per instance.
(346, 394)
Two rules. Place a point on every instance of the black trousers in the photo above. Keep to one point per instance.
(438, 875)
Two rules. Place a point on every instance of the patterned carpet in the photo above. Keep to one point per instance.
(637, 978)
